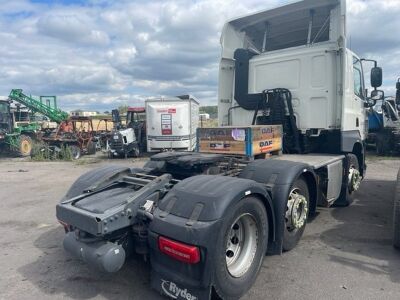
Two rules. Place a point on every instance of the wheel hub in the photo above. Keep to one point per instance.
(297, 210)
(354, 179)
(241, 245)
(25, 147)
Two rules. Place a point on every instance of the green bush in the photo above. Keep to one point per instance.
(43, 152)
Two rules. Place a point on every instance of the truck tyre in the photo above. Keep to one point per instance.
(296, 215)
(24, 145)
(75, 151)
(348, 189)
(240, 249)
(396, 214)
(91, 148)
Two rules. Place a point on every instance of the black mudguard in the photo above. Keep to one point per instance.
(278, 176)
(191, 213)
(96, 178)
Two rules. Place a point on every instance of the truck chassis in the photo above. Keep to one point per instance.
(189, 212)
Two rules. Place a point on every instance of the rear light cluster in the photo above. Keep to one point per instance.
(185, 253)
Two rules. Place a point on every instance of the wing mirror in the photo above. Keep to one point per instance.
(376, 77)
(376, 95)
(376, 73)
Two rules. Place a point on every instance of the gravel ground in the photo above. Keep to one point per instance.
(345, 253)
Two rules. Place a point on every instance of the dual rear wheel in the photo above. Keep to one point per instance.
(243, 239)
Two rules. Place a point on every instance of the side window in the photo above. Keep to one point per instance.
(358, 78)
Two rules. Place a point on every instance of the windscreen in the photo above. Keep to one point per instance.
(3, 107)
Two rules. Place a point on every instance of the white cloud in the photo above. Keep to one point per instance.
(72, 29)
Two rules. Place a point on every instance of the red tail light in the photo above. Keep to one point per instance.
(182, 252)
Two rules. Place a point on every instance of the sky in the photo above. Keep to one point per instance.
(100, 54)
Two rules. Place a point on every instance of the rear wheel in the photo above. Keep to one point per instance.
(351, 182)
(25, 145)
(296, 215)
(91, 148)
(241, 247)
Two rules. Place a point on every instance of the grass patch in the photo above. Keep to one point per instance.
(44, 152)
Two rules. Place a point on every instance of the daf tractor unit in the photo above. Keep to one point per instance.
(292, 126)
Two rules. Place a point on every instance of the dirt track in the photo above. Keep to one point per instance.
(346, 253)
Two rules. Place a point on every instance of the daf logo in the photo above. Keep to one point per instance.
(265, 144)
(171, 289)
(267, 130)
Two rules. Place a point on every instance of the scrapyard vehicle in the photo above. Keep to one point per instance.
(16, 136)
(75, 134)
(131, 138)
(102, 134)
(207, 219)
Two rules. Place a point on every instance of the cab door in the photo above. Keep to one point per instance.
(359, 97)
(353, 111)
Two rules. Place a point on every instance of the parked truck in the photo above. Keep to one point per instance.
(384, 124)
(287, 83)
(172, 123)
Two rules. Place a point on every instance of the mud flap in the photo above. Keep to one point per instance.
(175, 290)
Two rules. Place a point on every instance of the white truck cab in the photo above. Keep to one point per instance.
(300, 47)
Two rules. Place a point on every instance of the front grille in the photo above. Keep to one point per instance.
(116, 143)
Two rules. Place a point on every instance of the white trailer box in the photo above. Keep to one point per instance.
(172, 123)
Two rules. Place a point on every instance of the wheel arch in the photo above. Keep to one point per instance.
(216, 194)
